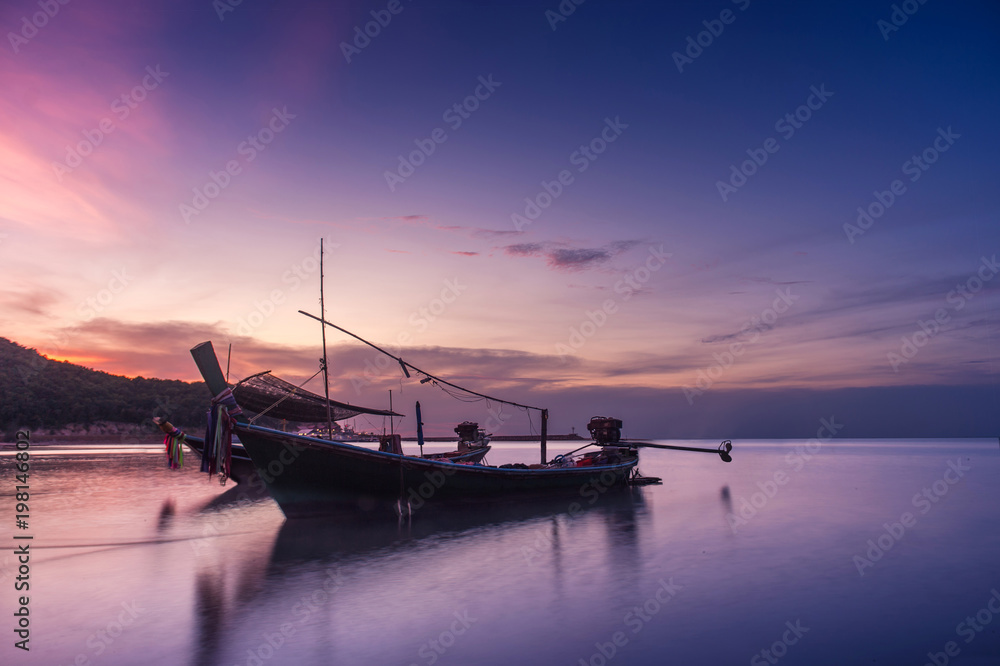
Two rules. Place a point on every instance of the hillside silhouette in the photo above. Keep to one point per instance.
(38, 392)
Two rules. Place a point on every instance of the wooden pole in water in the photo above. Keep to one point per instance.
(326, 375)
(545, 432)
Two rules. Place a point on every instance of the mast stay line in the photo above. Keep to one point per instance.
(404, 365)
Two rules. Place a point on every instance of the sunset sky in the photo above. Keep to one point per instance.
(563, 209)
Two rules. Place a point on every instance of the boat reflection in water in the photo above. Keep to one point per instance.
(351, 533)
(350, 589)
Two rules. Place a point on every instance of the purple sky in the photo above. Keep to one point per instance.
(595, 214)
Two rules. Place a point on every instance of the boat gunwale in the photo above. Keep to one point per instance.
(417, 462)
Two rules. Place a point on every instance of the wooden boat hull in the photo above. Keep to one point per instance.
(308, 477)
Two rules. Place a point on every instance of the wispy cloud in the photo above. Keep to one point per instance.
(34, 301)
(560, 257)
(779, 283)
(478, 232)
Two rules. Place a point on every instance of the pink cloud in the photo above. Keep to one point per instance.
(53, 105)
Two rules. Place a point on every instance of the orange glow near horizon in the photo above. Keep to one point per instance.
(90, 362)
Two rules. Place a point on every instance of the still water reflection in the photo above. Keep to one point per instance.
(135, 564)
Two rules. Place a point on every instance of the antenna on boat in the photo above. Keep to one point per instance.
(545, 432)
(326, 374)
(229, 357)
(392, 426)
(420, 430)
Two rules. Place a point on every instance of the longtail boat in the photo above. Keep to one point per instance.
(308, 476)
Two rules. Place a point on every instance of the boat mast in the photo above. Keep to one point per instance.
(326, 374)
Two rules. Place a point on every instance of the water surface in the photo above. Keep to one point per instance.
(133, 563)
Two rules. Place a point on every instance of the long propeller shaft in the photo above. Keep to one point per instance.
(722, 451)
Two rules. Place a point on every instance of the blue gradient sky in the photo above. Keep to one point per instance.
(240, 269)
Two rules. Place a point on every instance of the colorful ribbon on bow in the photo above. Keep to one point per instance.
(218, 454)
(173, 442)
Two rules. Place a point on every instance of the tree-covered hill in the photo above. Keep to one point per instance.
(37, 392)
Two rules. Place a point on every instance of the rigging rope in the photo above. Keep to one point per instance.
(403, 364)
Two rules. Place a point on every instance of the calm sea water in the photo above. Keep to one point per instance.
(812, 560)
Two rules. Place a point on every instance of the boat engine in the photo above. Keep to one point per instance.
(605, 430)
(468, 431)
(391, 444)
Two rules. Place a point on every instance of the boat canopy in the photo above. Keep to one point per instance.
(266, 394)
